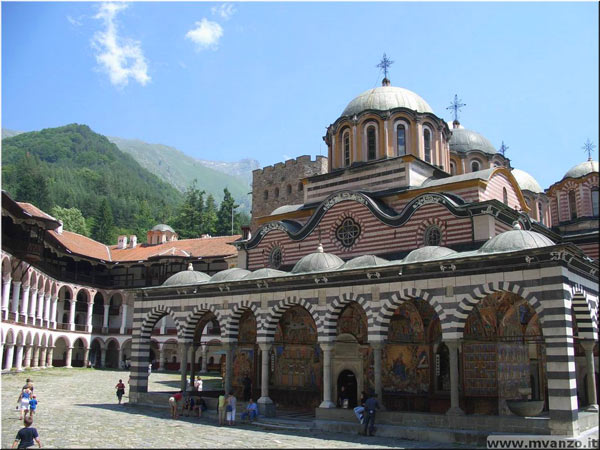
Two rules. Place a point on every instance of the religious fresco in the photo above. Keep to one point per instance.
(244, 362)
(353, 321)
(296, 326)
(406, 324)
(513, 369)
(247, 328)
(368, 368)
(405, 368)
(480, 370)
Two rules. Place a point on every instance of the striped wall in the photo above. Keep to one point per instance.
(583, 198)
(494, 190)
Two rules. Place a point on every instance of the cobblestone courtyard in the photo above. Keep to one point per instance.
(78, 409)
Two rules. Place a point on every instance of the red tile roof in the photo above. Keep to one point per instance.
(81, 245)
(35, 211)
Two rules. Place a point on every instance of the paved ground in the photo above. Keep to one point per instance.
(78, 409)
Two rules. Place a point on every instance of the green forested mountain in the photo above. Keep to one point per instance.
(73, 167)
(180, 170)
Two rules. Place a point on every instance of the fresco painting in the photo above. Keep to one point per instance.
(513, 369)
(353, 321)
(405, 368)
(406, 324)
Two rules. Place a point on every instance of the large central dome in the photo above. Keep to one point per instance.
(385, 98)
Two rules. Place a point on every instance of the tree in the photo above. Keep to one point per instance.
(144, 221)
(72, 219)
(226, 215)
(32, 186)
(189, 221)
(104, 228)
(210, 215)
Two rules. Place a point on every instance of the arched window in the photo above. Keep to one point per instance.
(452, 168)
(266, 195)
(289, 189)
(595, 202)
(475, 165)
(400, 140)
(427, 144)
(276, 192)
(371, 143)
(504, 196)
(572, 205)
(540, 213)
(346, 142)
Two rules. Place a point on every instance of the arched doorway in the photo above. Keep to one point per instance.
(96, 353)
(347, 388)
(245, 360)
(59, 356)
(112, 354)
(78, 353)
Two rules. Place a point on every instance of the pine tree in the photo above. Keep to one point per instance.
(189, 222)
(210, 216)
(104, 229)
(32, 186)
(226, 215)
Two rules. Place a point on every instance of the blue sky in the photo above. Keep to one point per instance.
(226, 81)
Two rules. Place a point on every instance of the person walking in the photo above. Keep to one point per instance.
(120, 386)
(231, 403)
(174, 404)
(198, 384)
(23, 402)
(222, 409)
(32, 405)
(27, 435)
(371, 405)
(247, 382)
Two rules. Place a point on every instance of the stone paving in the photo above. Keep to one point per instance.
(78, 409)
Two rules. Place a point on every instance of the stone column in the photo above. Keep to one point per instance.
(588, 346)
(229, 348)
(204, 358)
(36, 356)
(5, 297)
(54, 312)
(192, 359)
(49, 357)
(43, 363)
(72, 315)
(48, 305)
(25, 303)
(105, 319)
(266, 406)
(15, 299)
(377, 347)
(1, 353)
(123, 319)
(33, 305)
(27, 358)
(19, 357)
(163, 325)
(40, 308)
(88, 317)
(86, 356)
(10, 353)
(102, 357)
(327, 348)
(183, 351)
(69, 357)
(454, 380)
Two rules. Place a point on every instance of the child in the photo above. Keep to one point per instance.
(27, 435)
(23, 401)
(32, 405)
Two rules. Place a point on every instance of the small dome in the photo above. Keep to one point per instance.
(365, 261)
(317, 262)
(582, 169)
(267, 272)
(162, 227)
(189, 276)
(385, 98)
(428, 253)
(232, 274)
(514, 240)
(464, 141)
(526, 181)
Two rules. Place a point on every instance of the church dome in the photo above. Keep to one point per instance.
(582, 169)
(463, 141)
(232, 274)
(365, 261)
(318, 262)
(384, 98)
(189, 276)
(427, 253)
(162, 227)
(514, 240)
(526, 182)
(266, 272)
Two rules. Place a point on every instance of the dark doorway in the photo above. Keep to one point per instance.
(347, 380)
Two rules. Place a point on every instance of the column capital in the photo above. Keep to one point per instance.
(327, 346)
(16, 282)
(265, 346)
(453, 344)
(377, 345)
(587, 344)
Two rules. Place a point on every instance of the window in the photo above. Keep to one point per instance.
(400, 140)
(289, 189)
(346, 142)
(595, 202)
(452, 168)
(276, 192)
(347, 232)
(475, 165)
(275, 258)
(371, 143)
(572, 205)
(504, 196)
(300, 187)
(266, 195)
(540, 213)
(433, 235)
(427, 143)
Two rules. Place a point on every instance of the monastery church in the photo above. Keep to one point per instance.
(413, 262)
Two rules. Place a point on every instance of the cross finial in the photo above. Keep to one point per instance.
(588, 147)
(456, 105)
(385, 64)
(503, 148)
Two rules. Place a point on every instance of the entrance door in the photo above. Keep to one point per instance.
(347, 381)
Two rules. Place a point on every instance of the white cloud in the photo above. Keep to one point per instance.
(121, 58)
(205, 35)
(74, 21)
(225, 10)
